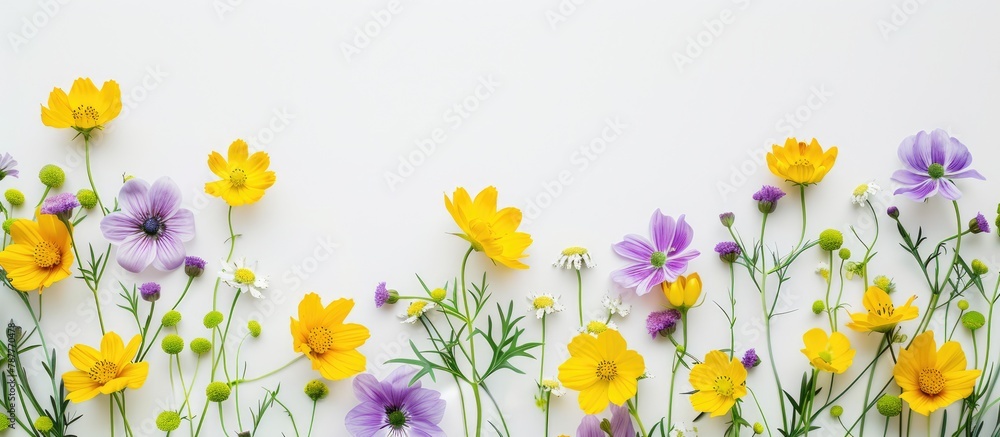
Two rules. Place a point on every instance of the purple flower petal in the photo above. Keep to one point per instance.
(422, 408)
(677, 266)
(621, 421)
(920, 191)
(906, 177)
(940, 142)
(132, 198)
(365, 420)
(635, 248)
(590, 426)
(368, 389)
(425, 404)
(908, 158)
(136, 252)
(949, 190)
(922, 150)
(683, 234)
(180, 225)
(959, 157)
(651, 281)
(169, 253)
(632, 275)
(661, 230)
(164, 198)
(967, 174)
(118, 226)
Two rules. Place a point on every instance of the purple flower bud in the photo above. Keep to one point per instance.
(728, 251)
(979, 224)
(767, 198)
(727, 219)
(750, 359)
(193, 266)
(381, 295)
(150, 291)
(662, 322)
(892, 212)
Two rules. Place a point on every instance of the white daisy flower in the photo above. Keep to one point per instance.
(823, 269)
(552, 385)
(861, 193)
(542, 304)
(615, 306)
(416, 309)
(241, 276)
(574, 258)
(595, 327)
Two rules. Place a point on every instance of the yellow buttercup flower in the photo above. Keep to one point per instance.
(684, 292)
(106, 371)
(85, 108)
(719, 383)
(882, 316)
(831, 353)
(323, 337)
(801, 163)
(41, 253)
(490, 231)
(602, 369)
(932, 378)
(244, 178)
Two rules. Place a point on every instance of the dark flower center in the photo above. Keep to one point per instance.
(152, 226)
(935, 170)
(658, 259)
(396, 417)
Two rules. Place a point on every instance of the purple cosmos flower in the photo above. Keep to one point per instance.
(7, 164)
(381, 295)
(662, 322)
(930, 163)
(194, 266)
(151, 228)
(660, 260)
(979, 224)
(392, 407)
(728, 251)
(750, 359)
(767, 198)
(619, 426)
(150, 291)
(61, 205)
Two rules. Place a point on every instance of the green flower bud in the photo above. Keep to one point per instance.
(963, 304)
(889, 405)
(818, 307)
(87, 198)
(200, 345)
(727, 219)
(43, 424)
(844, 254)
(973, 320)
(836, 411)
(218, 391)
(681, 349)
(4, 422)
(885, 284)
(171, 318)
(979, 267)
(316, 390)
(393, 297)
(254, 327)
(831, 240)
(14, 196)
(758, 428)
(213, 319)
(438, 294)
(172, 344)
(168, 421)
(52, 176)
(8, 223)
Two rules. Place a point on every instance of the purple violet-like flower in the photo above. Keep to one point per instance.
(7, 164)
(979, 224)
(151, 228)
(150, 291)
(656, 261)
(392, 407)
(381, 295)
(931, 162)
(750, 359)
(662, 322)
(767, 198)
(728, 251)
(620, 424)
(61, 205)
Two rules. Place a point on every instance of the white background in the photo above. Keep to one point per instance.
(197, 75)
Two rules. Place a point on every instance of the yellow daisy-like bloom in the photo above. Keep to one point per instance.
(882, 316)
(602, 369)
(244, 178)
(85, 108)
(932, 378)
(323, 337)
(106, 371)
(490, 231)
(801, 163)
(719, 381)
(41, 253)
(831, 353)
(684, 292)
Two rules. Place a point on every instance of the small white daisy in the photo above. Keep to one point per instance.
(823, 269)
(615, 306)
(861, 193)
(241, 276)
(574, 258)
(416, 309)
(542, 304)
(552, 385)
(595, 327)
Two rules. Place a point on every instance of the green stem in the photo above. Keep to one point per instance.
(469, 323)
(802, 198)
(938, 284)
(232, 246)
(871, 378)
(312, 419)
(90, 174)
(222, 339)
(541, 366)
(222, 420)
(767, 317)
(44, 195)
(548, 397)
(807, 417)
(635, 414)
(243, 381)
(55, 389)
(579, 294)
(829, 286)
(732, 315)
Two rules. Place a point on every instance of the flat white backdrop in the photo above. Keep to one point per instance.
(588, 115)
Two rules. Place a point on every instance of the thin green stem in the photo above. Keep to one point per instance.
(541, 366)
(90, 174)
(829, 286)
(222, 420)
(579, 294)
(802, 199)
(222, 339)
(312, 419)
(767, 317)
(243, 381)
(470, 321)
(232, 246)
(44, 195)
(886, 341)
(548, 398)
(635, 414)
(732, 312)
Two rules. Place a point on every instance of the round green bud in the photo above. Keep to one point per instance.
(681, 349)
(4, 422)
(758, 428)
(973, 320)
(168, 421)
(14, 196)
(171, 318)
(316, 390)
(218, 391)
(213, 319)
(393, 297)
(8, 223)
(831, 240)
(87, 198)
(43, 424)
(889, 405)
(818, 307)
(885, 284)
(254, 327)
(979, 267)
(172, 344)
(200, 345)
(844, 254)
(963, 304)
(438, 294)
(836, 411)
(52, 176)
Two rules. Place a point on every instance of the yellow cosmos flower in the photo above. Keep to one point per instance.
(684, 292)
(244, 178)
(882, 316)
(41, 253)
(106, 371)
(85, 108)
(719, 383)
(602, 369)
(831, 353)
(490, 231)
(801, 163)
(323, 337)
(932, 378)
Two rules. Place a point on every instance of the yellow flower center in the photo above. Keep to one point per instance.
(596, 327)
(885, 309)
(542, 302)
(575, 250)
(931, 381)
(237, 178)
(861, 190)
(103, 371)
(244, 276)
(416, 308)
(724, 386)
(826, 356)
(550, 384)
(83, 114)
(46, 255)
(607, 370)
(320, 339)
